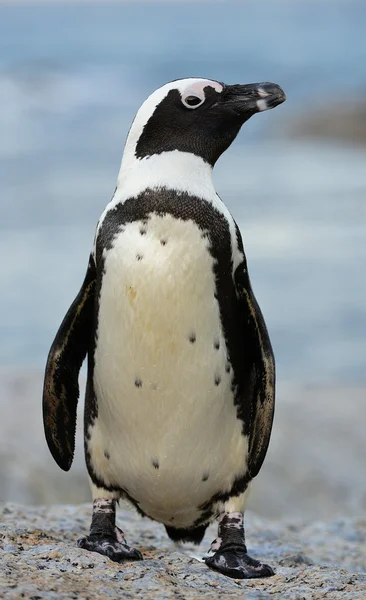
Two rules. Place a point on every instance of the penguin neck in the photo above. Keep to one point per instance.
(175, 170)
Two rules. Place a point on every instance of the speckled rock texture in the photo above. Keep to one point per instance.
(40, 560)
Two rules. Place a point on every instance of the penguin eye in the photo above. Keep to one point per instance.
(192, 101)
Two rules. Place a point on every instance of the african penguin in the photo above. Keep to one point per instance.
(181, 376)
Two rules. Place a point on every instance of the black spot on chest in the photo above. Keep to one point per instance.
(211, 222)
(215, 228)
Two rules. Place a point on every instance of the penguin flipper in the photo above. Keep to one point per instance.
(61, 387)
(261, 366)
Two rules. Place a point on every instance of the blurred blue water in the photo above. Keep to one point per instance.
(71, 79)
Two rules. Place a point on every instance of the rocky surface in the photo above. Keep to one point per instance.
(40, 560)
(313, 474)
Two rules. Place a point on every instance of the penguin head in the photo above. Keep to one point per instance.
(198, 116)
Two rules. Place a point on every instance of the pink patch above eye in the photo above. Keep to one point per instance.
(196, 89)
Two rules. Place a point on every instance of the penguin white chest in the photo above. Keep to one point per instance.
(167, 429)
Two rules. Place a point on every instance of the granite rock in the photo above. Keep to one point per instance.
(40, 560)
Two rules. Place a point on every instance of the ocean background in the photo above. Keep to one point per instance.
(71, 79)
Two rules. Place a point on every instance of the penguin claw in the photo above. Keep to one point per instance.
(238, 564)
(113, 549)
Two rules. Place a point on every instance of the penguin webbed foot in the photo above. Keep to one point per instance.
(235, 562)
(113, 546)
(105, 537)
(228, 552)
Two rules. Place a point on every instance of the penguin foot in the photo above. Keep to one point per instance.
(235, 562)
(113, 546)
(105, 537)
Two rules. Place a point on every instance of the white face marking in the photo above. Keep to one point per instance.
(185, 88)
(197, 90)
(149, 309)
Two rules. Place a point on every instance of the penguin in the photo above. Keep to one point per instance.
(180, 386)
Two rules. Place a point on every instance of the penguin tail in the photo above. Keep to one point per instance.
(194, 534)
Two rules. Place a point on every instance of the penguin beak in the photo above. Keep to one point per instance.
(253, 97)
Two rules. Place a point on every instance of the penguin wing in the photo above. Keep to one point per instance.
(61, 387)
(260, 367)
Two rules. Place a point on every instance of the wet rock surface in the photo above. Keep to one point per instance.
(40, 560)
